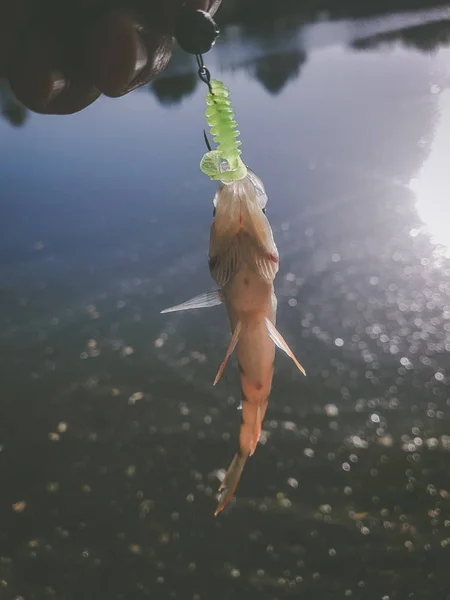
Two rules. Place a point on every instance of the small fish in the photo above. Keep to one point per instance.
(243, 260)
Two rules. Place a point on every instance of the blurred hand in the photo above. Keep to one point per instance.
(60, 55)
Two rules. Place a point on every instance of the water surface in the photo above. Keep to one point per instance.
(112, 438)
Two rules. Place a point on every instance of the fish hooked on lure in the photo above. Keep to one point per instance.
(243, 260)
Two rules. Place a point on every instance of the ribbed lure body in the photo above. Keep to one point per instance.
(223, 164)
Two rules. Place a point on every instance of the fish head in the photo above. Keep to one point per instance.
(251, 185)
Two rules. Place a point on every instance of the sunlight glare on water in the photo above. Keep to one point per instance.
(433, 181)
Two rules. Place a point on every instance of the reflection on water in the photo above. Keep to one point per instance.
(425, 37)
(273, 52)
(432, 185)
(275, 70)
(111, 436)
(12, 110)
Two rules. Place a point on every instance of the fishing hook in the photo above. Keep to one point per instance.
(205, 137)
(204, 76)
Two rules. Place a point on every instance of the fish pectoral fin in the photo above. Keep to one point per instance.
(231, 347)
(263, 262)
(279, 341)
(201, 301)
(225, 257)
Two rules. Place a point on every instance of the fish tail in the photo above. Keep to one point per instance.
(252, 417)
(230, 482)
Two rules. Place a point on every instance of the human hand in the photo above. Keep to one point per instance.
(60, 55)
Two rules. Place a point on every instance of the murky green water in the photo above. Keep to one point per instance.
(112, 437)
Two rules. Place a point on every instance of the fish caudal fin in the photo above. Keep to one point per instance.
(249, 436)
(200, 301)
(230, 482)
(231, 347)
(279, 341)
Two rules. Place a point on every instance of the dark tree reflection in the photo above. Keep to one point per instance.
(276, 70)
(171, 90)
(428, 37)
(11, 109)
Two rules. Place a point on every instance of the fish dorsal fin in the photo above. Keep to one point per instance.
(231, 347)
(200, 301)
(279, 341)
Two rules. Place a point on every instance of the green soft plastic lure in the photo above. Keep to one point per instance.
(223, 164)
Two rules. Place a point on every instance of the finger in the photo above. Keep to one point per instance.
(43, 83)
(123, 51)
